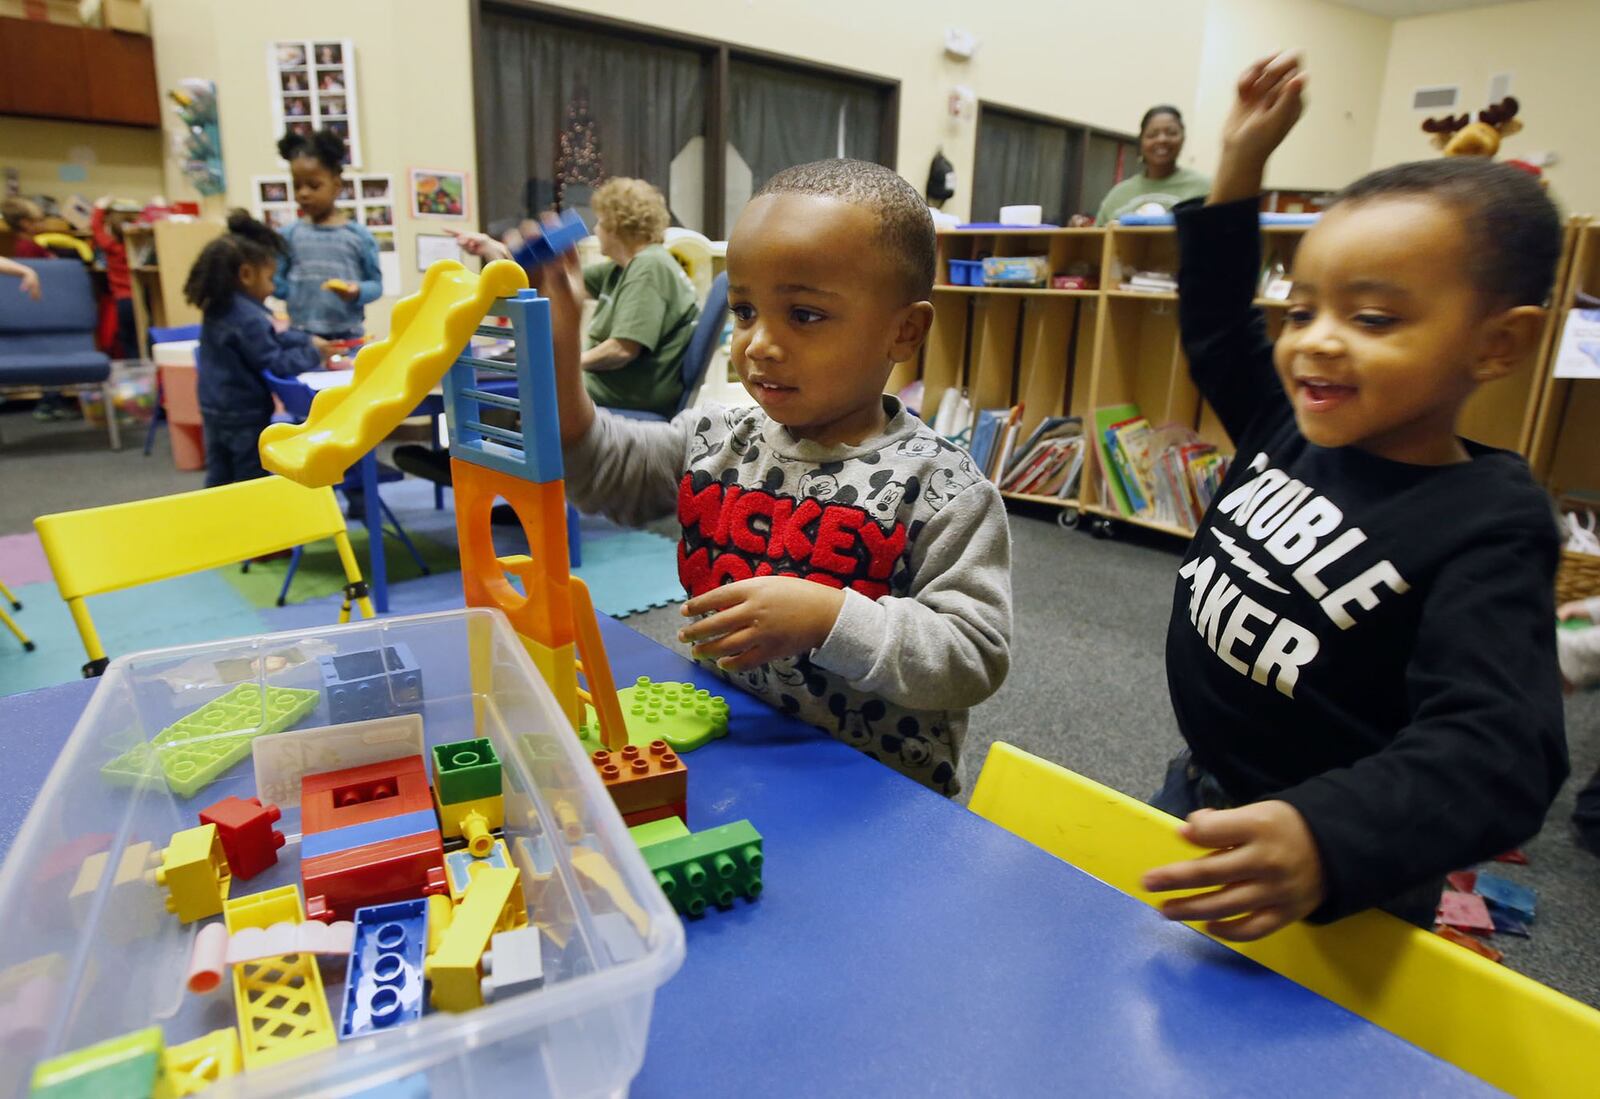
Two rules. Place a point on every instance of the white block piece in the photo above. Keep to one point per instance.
(1021, 215)
(209, 959)
(283, 759)
(513, 963)
(310, 937)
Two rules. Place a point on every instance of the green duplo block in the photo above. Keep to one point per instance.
(465, 771)
(127, 1066)
(194, 750)
(658, 831)
(683, 715)
(710, 867)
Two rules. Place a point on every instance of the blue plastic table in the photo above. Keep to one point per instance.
(904, 946)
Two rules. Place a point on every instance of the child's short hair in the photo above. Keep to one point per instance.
(1512, 228)
(904, 224)
(214, 277)
(17, 210)
(324, 146)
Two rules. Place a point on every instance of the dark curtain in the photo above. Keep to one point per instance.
(565, 109)
(778, 118)
(1018, 162)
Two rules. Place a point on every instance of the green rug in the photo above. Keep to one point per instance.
(320, 573)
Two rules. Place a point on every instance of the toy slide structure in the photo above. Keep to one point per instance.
(428, 330)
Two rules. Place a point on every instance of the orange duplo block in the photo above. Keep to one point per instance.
(544, 614)
(643, 778)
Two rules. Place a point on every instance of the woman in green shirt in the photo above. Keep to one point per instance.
(645, 308)
(1162, 184)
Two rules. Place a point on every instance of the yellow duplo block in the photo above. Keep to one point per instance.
(194, 1066)
(134, 897)
(282, 1009)
(559, 668)
(440, 913)
(194, 872)
(487, 908)
(455, 818)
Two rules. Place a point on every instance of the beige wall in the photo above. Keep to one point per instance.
(124, 160)
(1550, 47)
(1345, 51)
(413, 81)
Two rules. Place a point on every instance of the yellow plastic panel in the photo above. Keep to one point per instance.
(282, 1009)
(1502, 1027)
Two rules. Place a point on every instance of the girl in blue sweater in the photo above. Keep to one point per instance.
(331, 270)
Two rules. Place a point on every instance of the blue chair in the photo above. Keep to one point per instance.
(50, 342)
(697, 356)
(165, 335)
(296, 396)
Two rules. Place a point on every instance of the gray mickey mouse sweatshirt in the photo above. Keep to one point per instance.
(903, 522)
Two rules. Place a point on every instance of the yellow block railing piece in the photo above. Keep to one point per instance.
(282, 1009)
(1512, 1032)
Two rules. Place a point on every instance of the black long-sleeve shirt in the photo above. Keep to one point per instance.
(1368, 640)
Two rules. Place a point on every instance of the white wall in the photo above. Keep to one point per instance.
(1552, 48)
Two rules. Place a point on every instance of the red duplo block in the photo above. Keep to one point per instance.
(336, 885)
(244, 825)
(357, 795)
(660, 812)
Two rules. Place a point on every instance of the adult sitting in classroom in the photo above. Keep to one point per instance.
(1162, 184)
(645, 312)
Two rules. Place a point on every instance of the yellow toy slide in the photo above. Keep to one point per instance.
(427, 331)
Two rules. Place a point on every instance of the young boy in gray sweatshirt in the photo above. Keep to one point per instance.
(843, 562)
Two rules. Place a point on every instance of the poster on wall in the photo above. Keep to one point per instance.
(368, 199)
(312, 85)
(438, 194)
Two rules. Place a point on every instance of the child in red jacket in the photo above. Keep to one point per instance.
(106, 226)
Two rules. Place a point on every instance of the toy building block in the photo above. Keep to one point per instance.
(643, 778)
(599, 878)
(195, 1066)
(489, 906)
(459, 864)
(194, 750)
(658, 831)
(383, 986)
(282, 1009)
(208, 960)
(683, 715)
(356, 795)
(474, 821)
(194, 872)
(339, 286)
(552, 243)
(131, 1065)
(680, 811)
(711, 866)
(283, 759)
(287, 937)
(248, 838)
(133, 895)
(394, 870)
(372, 683)
(513, 963)
(465, 771)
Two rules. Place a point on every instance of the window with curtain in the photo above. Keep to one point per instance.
(1022, 161)
(1107, 162)
(778, 117)
(565, 108)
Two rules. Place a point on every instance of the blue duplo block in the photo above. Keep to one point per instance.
(384, 984)
(372, 683)
(554, 241)
(313, 844)
(1500, 893)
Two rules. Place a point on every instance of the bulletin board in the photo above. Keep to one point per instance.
(313, 85)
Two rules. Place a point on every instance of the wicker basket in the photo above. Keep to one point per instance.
(1577, 576)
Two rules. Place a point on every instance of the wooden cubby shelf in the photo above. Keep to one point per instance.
(1069, 352)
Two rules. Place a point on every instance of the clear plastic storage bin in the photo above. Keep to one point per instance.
(90, 953)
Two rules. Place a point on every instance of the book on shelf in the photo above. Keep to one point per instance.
(1167, 474)
(994, 435)
(1160, 282)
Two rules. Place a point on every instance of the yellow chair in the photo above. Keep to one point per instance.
(103, 549)
(1512, 1032)
(10, 623)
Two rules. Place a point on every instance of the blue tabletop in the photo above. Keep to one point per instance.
(904, 946)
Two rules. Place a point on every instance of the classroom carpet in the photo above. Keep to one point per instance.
(320, 572)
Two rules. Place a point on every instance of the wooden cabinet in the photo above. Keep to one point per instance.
(49, 70)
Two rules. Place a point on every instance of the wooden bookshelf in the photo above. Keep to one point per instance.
(1564, 435)
(1069, 352)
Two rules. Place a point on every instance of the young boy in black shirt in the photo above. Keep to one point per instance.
(1361, 656)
